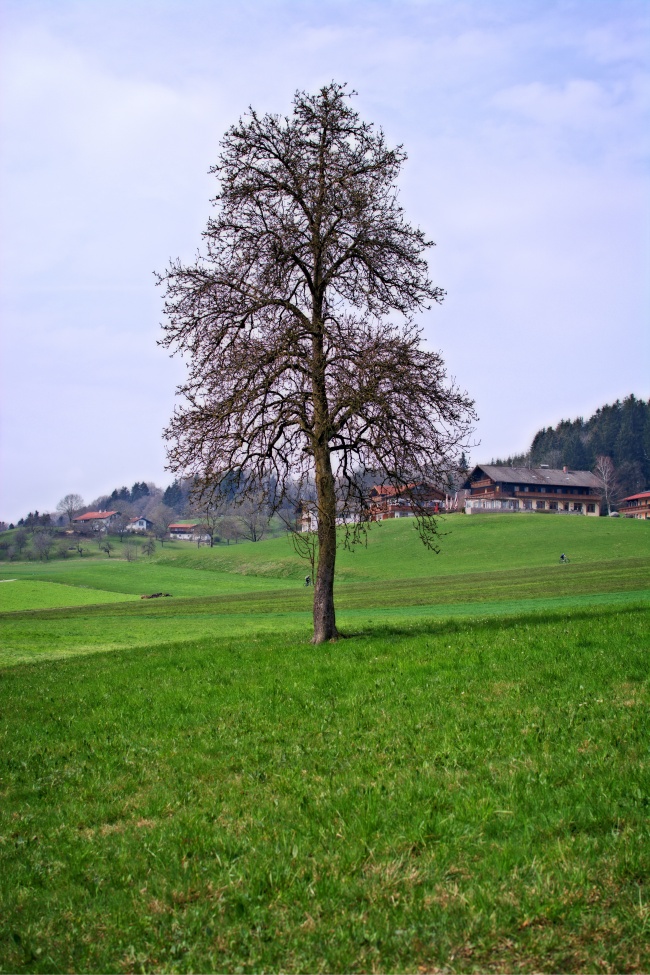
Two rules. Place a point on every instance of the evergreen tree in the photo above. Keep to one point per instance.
(174, 497)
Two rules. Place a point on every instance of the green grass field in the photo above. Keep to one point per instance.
(468, 544)
(462, 784)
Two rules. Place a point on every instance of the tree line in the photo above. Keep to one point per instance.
(619, 431)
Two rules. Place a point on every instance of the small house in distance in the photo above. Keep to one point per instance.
(99, 521)
(188, 531)
(636, 506)
(309, 516)
(139, 525)
(496, 488)
(387, 501)
(184, 530)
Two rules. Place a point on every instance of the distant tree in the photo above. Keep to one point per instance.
(208, 508)
(106, 545)
(162, 517)
(149, 546)
(20, 539)
(120, 494)
(139, 491)
(70, 505)
(174, 497)
(230, 529)
(304, 360)
(606, 474)
(620, 431)
(42, 542)
(36, 520)
(119, 525)
(631, 478)
(253, 517)
(3, 526)
(130, 551)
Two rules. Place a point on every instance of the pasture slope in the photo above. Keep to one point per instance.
(462, 784)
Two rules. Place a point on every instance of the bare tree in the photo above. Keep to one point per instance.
(606, 474)
(119, 525)
(130, 551)
(149, 547)
(20, 540)
(253, 516)
(304, 360)
(70, 505)
(162, 518)
(208, 508)
(42, 543)
(230, 529)
(106, 545)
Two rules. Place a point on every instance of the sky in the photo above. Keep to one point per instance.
(526, 127)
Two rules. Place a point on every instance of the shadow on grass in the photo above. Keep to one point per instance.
(444, 626)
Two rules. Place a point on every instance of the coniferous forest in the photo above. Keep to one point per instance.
(620, 431)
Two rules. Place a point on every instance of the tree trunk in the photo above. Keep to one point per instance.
(324, 615)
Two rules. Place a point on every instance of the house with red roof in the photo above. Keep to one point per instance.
(636, 506)
(188, 531)
(99, 521)
(388, 501)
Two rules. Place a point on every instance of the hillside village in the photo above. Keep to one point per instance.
(146, 514)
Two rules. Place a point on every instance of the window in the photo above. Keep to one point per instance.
(591, 508)
(553, 505)
(577, 506)
(539, 504)
(565, 506)
(528, 505)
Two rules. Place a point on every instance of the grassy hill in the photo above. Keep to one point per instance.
(467, 544)
(461, 785)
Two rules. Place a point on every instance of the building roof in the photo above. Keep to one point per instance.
(186, 525)
(536, 475)
(96, 515)
(637, 497)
